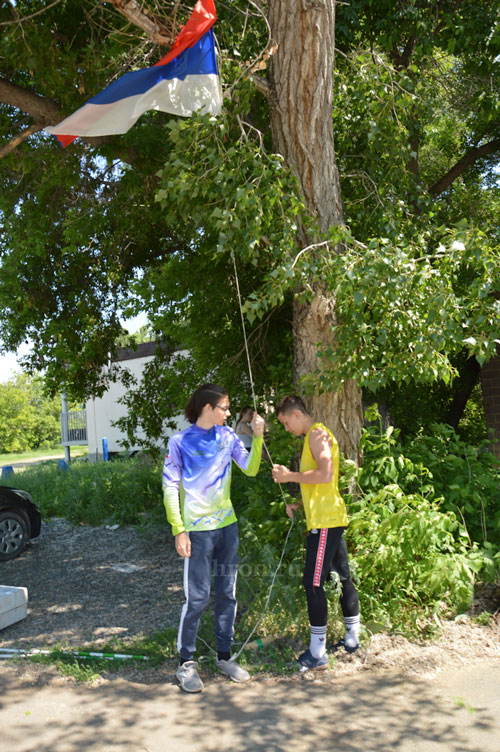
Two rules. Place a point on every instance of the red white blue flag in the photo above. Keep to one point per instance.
(184, 81)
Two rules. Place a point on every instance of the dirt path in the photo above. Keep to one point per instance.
(36, 460)
(393, 694)
(458, 711)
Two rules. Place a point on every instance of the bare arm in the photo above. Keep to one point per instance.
(244, 428)
(319, 443)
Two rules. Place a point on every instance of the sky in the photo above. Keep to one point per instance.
(9, 364)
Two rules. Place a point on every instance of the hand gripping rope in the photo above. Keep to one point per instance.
(235, 656)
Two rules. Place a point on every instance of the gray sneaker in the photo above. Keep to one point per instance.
(230, 668)
(188, 677)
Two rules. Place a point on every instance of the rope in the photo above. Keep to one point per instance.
(269, 593)
(249, 363)
(252, 386)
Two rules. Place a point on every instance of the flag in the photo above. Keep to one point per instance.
(184, 81)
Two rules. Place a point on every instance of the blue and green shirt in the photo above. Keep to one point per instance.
(197, 476)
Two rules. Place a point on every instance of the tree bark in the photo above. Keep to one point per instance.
(44, 110)
(300, 101)
(467, 380)
(490, 387)
(458, 169)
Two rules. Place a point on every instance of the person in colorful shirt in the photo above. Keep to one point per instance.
(196, 493)
(326, 518)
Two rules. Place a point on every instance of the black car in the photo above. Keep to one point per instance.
(20, 520)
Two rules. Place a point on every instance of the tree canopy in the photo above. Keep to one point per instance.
(148, 221)
(28, 418)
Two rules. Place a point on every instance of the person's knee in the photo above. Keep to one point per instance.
(198, 601)
(307, 581)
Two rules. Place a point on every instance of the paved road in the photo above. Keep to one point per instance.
(458, 711)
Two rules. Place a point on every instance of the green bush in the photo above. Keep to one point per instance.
(438, 464)
(411, 556)
(467, 477)
(94, 493)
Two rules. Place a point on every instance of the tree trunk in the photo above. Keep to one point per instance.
(490, 386)
(300, 102)
(467, 380)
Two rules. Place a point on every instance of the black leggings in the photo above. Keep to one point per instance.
(326, 551)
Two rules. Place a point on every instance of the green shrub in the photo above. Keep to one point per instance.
(94, 493)
(411, 556)
(439, 465)
(466, 476)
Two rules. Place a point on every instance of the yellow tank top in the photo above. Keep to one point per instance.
(323, 504)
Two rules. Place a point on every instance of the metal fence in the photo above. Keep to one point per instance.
(74, 427)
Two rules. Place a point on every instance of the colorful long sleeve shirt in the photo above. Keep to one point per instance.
(197, 476)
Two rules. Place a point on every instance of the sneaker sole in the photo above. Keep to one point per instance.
(190, 691)
(237, 681)
(323, 667)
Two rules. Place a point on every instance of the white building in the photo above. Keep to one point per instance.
(92, 425)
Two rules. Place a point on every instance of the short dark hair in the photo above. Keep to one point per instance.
(290, 403)
(206, 394)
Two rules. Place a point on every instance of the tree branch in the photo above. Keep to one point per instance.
(260, 83)
(478, 152)
(158, 32)
(14, 142)
(45, 111)
(19, 20)
(401, 60)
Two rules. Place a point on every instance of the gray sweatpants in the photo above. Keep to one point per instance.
(213, 552)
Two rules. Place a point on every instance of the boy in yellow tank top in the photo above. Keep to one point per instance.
(326, 518)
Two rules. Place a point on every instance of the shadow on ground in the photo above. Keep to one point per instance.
(369, 712)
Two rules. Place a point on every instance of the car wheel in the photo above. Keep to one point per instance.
(13, 534)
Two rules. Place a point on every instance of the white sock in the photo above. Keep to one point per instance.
(317, 645)
(351, 638)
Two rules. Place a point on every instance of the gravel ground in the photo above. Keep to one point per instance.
(77, 593)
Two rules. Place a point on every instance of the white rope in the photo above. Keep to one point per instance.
(236, 655)
(252, 386)
(249, 364)
(269, 593)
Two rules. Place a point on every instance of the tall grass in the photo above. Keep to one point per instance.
(94, 493)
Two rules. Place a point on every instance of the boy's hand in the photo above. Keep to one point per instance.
(183, 545)
(281, 474)
(258, 424)
(290, 509)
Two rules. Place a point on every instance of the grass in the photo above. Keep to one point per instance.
(56, 451)
(278, 658)
(94, 493)
(158, 647)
